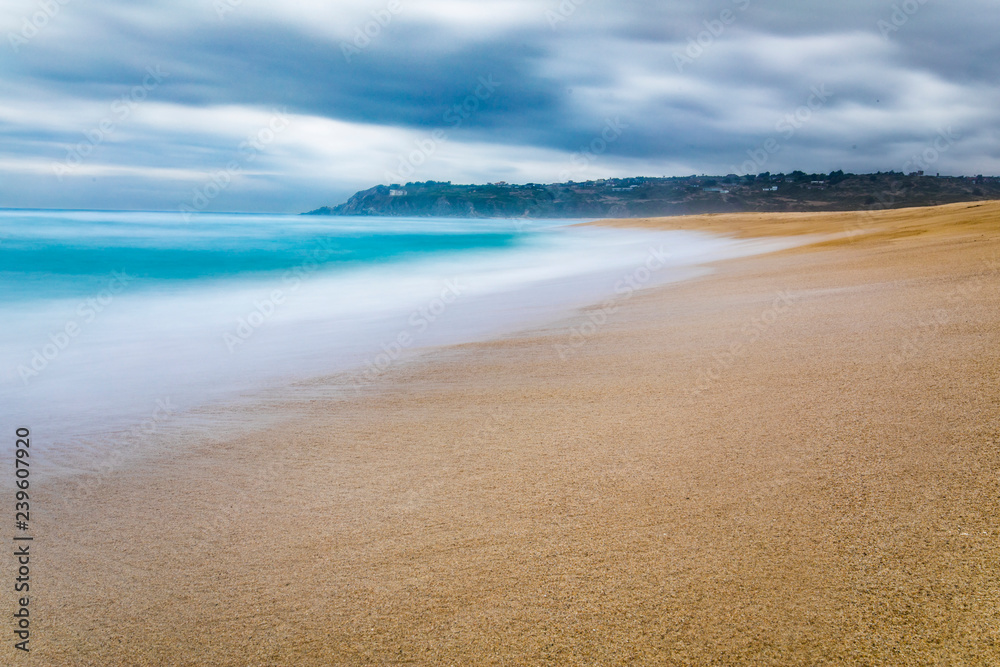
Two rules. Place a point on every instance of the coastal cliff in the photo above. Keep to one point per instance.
(644, 197)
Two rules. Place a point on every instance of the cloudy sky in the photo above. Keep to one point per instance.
(257, 105)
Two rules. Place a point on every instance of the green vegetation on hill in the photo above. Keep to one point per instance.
(641, 196)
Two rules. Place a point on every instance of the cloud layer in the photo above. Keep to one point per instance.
(256, 105)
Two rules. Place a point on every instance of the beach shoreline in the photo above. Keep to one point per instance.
(351, 295)
(790, 460)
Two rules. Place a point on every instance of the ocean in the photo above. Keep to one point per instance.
(121, 323)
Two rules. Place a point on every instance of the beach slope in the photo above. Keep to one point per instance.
(794, 460)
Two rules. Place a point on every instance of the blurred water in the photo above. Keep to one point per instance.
(107, 317)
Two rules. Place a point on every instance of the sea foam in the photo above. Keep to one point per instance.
(114, 320)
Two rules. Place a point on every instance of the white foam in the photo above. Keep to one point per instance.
(188, 345)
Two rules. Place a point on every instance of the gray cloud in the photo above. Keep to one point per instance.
(699, 86)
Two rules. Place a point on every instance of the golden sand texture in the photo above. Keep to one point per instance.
(849, 226)
(792, 461)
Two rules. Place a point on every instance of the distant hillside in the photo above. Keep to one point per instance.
(635, 197)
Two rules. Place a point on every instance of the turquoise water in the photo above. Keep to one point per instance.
(109, 316)
(70, 253)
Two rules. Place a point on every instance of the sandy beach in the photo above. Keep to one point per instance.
(794, 460)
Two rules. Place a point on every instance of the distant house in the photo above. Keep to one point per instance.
(773, 188)
(397, 193)
(719, 190)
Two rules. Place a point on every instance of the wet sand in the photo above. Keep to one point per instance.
(794, 460)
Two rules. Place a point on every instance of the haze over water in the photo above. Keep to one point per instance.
(110, 316)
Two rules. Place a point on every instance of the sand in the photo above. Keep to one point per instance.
(791, 461)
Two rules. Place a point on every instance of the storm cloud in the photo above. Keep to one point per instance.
(261, 106)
